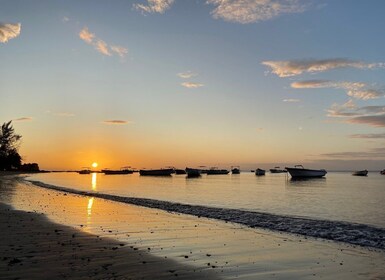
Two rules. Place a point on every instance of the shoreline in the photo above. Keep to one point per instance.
(32, 247)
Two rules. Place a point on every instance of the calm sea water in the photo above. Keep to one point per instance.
(338, 197)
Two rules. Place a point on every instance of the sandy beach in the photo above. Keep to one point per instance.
(50, 234)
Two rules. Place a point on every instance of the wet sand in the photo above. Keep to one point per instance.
(120, 241)
(32, 247)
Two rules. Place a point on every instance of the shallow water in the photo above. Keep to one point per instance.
(338, 197)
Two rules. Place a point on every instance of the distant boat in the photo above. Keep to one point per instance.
(235, 170)
(216, 171)
(382, 172)
(122, 171)
(300, 172)
(86, 170)
(156, 172)
(180, 171)
(277, 169)
(360, 173)
(260, 172)
(193, 172)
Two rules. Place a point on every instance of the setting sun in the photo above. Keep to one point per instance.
(94, 164)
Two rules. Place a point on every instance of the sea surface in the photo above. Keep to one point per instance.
(339, 207)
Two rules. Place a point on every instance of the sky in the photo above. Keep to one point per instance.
(255, 83)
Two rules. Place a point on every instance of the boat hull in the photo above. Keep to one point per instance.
(193, 172)
(117, 172)
(360, 173)
(217, 172)
(260, 172)
(306, 173)
(156, 172)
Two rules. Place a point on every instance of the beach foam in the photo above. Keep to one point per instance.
(352, 233)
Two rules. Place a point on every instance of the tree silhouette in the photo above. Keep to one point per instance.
(9, 145)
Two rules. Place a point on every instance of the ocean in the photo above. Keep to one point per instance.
(339, 207)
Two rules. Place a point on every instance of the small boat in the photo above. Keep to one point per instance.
(360, 173)
(156, 172)
(86, 170)
(193, 172)
(277, 169)
(216, 171)
(180, 171)
(300, 172)
(260, 172)
(382, 172)
(122, 171)
(235, 170)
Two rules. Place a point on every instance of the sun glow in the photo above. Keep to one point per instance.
(94, 164)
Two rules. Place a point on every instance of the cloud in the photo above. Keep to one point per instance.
(65, 19)
(291, 100)
(291, 68)
(64, 114)
(154, 6)
(249, 11)
(372, 153)
(354, 89)
(369, 115)
(119, 50)
(115, 122)
(9, 31)
(187, 75)
(23, 119)
(191, 85)
(86, 36)
(368, 136)
(100, 45)
(376, 121)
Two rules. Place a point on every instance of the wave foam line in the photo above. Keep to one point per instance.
(352, 233)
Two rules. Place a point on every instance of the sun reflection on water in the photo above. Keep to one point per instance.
(93, 181)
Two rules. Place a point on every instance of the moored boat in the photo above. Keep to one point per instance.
(122, 171)
(193, 172)
(277, 169)
(360, 173)
(179, 171)
(382, 172)
(298, 171)
(156, 172)
(85, 170)
(216, 171)
(235, 170)
(260, 172)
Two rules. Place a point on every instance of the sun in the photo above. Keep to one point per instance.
(94, 164)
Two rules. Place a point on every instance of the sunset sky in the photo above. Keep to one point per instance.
(156, 83)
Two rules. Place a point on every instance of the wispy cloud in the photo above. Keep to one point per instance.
(23, 119)
(154, 6)
(119, 50)
(64, 114)
(65, 19)
(249, 11)
(354, 89)
(9, 31)
(191, 85)
(368, 136)
(369, 115)
(187, 74)
(291, 100)
(100, 45)
(86, 36)
(372, 153)
(290, 68)
(376, 121)
(116, 122)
